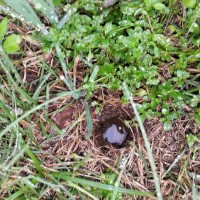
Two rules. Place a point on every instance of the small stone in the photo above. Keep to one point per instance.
(115, 132)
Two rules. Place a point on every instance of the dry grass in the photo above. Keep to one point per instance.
(91, 158)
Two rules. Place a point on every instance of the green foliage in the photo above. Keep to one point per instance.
(57, 2)
(110, 179)
(189, 3)
(129, 45)
(161, 7)
(3, 28)
(192, 141)
(23, 11)
(12, 42)
(197, 116)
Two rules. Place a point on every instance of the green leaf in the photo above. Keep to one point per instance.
(167, 125)
(161, 39)
(194, 101)
(12, 43)
(3, 28)
(161, 7)
(128, 10)
(110, 28)
(57, 2)
(94, 74)
(197, 42)
(141, 92)
(191, 139)
(189, 3)
(80, 46)
(197, 118)
(106, 69)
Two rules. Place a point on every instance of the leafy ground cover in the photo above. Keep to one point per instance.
(68, 68)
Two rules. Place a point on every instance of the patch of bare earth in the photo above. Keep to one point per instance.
(91, 158)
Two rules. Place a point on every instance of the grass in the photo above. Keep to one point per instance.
(64, 83)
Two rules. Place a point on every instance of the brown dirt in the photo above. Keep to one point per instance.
(97, 156)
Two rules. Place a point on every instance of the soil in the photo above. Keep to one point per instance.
(96, 156)
(112, 114)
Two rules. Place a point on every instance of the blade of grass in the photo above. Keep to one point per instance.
(47, 9)
(81, 190)
(19, 193)
(94, 74)
(26, 12)
(32, 157)
(15, 147)
(3, 120)
(54, 126)
(194, 190)
(22, 92)
(64, 67)
(174, 163)
(63, 188)
(46, 111)
(14, 159)
(183, 170)
(70, 11)
(89, 120)
(66, 78)
(37, 92)
(10, 66)
(114, 194)
(50, 184)
(144, 135)
(142, 157)
(38, 107)
(65, 176)
(6, 110)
